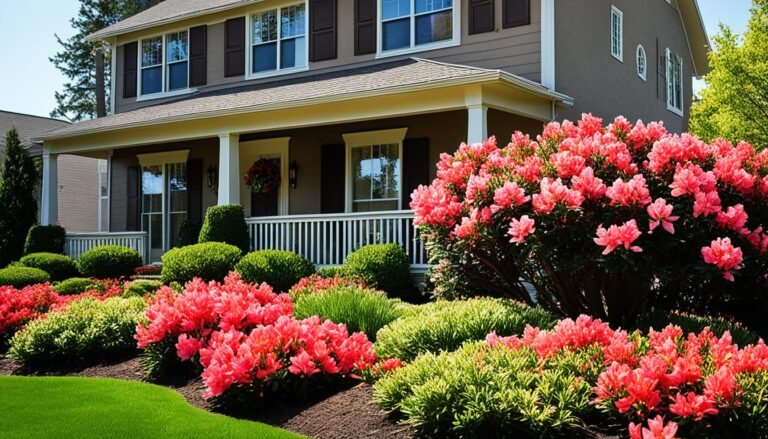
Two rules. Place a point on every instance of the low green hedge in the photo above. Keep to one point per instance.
(280, 269)
(141, 287)
(208, 261)
(45, 239)
(444, 326)
(59, 267)
(359, 309)
(88, 330)
(109, 262)
(20, 277)
(384, 267)
(73, 286)
(225, 224)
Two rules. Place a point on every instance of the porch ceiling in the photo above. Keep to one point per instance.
(400, 88)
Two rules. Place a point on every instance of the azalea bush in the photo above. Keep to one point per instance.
(597, 218)
(20, 306)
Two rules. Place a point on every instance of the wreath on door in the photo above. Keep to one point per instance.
(264, 176)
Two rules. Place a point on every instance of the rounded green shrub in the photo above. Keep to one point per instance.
(109, 262)
(225, 224)
(360, 309)
(330, 272)
(384, 267)
(59, 267)
(73, 285)
(444, 326)
(208, 261)
(45, 239)
(189, 233)
(20, 277)
(141, 287)
(280, 269)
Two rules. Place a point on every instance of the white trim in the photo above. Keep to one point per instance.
(161, 158)
(249, 41)
(641, 50)
(163, 93)
(49, 207)
(250, 151)
(380, 137)
(548, 47)
(112, 77)
(670, 105)
(102, 164)
(616, 13)
(229, 166)
(454, 41)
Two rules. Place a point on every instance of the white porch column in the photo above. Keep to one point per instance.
(229, 169)
(49, 207)
(477, 123)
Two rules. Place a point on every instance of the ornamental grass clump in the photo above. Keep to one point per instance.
(598, 218)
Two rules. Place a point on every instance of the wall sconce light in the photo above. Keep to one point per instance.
(293, 172)
(213, 178)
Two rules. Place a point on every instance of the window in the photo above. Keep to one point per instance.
(278, 39)
(165, 63)
(674, 82)
(617, 33)
(413, 24)
(642, 63)
(374, 170)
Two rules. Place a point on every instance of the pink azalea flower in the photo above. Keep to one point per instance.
(520, 229)
(590, 187)
(631, 193)
(661, 215)
(706, 204)
(509, 195)
(616, 236)
(722, 254)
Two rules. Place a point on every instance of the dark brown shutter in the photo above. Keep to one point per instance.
(516, 13)
(130, 69)
(234, 50)
(133, 198)
(415, 167)
(482, 17)
(365, 27)
(332, 178)
(198, 47)
(195, 179)
(322, 30)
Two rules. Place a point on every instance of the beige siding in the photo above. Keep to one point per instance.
(78, 193)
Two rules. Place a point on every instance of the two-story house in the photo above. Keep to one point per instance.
(353, 101)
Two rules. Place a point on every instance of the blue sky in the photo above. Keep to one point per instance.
(28, 80)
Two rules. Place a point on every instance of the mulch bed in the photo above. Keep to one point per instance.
(349, 413)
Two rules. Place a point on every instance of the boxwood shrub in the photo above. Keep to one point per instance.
(59, 267)
(45, 239)
(141, 287)
(208, 261)
(444, 326)
(74, 285)
(20, 277)
(280, 269)
(384, 267)
(225, 224)
(109, 262)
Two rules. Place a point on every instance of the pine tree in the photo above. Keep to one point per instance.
(17, 198)
(77, 59)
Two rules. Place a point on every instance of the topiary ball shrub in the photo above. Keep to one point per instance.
(73, 286)
(59, 267)
(280, 269)
(45, 239)
(225, 224)
(20, 277)
(109, 262)
(208, 261)
(384, 267)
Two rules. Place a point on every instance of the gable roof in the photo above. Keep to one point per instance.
(29, 127)
(387, 78)
(696, 33)
(166, 12)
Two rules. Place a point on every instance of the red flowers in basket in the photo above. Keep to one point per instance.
(263, 176)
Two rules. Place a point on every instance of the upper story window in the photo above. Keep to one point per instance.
(408, 25)
(674, 82)
(278, 40)
(164, 63)
(617, 33)
(642, 63)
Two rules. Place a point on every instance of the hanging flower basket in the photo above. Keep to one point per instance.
(263, 177)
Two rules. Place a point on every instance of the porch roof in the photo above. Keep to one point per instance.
(414, 74)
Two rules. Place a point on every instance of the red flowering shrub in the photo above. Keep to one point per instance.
(597, 218)
(101, 290)
(149, 270)
(700, 383)
(18, 307)
(316, 284)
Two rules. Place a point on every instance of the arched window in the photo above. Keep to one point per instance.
(642, 63)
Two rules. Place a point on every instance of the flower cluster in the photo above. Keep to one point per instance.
(317, 284)
(263, 177)
(19, 307)
(149, 270)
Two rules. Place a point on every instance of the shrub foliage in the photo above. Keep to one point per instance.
(280, 269)
(73, 285)
(109, 262)
(384, 267)
(59, 267)
(208, 261)
(225, 224)
(45, 239)
(20, 277)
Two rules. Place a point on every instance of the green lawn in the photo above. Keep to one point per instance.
(55, 407)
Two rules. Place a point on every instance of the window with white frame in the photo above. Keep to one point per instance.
(412, 24)
(165, 63)
(617, 33)
(642, 63)
(374, 170)
(278, 39)
(674, 82)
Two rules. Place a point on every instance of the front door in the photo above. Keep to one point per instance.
(267, 204)
(164, 205)
(276, 202)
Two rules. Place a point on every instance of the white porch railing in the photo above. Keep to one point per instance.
(327, 239)
(78, 243)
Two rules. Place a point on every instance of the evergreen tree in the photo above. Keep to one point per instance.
(734, 104)
(77, 58)
(17, 198)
